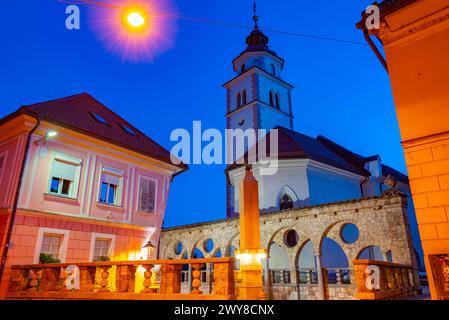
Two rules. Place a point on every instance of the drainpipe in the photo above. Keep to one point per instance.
(362, 25)
(16, 200)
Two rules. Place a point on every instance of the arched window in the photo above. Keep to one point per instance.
(239, 100)
(244, 97)
(278, 102)
(286, 202)
(271, 99)
(273, 69)
(242, 68)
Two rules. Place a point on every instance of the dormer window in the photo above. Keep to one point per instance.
(99, 118)
(244, 97)
(128, 129)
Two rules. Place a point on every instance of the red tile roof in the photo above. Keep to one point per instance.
(295, 145)
(78, 112)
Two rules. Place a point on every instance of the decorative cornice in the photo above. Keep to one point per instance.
(391, 36)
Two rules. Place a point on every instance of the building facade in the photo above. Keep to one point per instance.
(304, 242)
(311, 171)
(324, 208)
(414, 35)
(92, 186)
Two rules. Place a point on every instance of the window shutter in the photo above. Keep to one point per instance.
(64, 170)
(147, 195)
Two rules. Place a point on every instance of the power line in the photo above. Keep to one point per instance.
(223, 23)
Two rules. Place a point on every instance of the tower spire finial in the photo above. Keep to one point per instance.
(255, 16)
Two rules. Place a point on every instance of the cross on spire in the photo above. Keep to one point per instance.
(255, 16)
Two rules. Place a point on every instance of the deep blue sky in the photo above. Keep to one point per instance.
(342, 91)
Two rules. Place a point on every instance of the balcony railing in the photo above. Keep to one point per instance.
(384, 280)
(121, 280)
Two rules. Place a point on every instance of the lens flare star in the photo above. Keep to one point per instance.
(135, 30)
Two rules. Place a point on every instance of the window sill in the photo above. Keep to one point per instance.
(62, 199)
(144, 213)
(112, 207)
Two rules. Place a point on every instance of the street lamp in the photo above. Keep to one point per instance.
(150, 247)
(135, 19)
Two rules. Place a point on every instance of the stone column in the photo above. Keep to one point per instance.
(319, 272)
(266, 278)
(250, 253)
(189, 279)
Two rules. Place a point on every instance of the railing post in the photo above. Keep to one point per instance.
(125, 278)
(147, 281)
(196, 282)
(170, 278)
(224, 279)
(87, 278)
(18, 280)
(50, 278)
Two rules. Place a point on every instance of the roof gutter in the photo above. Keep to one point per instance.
(16, 200)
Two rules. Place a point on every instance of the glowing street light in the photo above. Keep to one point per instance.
(135, 19)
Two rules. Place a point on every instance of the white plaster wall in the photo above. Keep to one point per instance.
(291, 173)
(271, 118)
(326, 186)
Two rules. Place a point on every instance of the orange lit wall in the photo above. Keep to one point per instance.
(416, 43)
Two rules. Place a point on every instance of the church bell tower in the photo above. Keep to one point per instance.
(257, 97)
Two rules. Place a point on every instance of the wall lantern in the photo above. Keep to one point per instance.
(150, 247)
(48, 135)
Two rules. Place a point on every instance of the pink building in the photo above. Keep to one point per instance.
(92, 186)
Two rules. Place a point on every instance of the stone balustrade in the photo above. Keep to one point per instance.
(384, 280)
(120, 280)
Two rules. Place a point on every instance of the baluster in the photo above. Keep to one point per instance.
(196, 274)
(61, 283)
(34, 280)
(147, 281)
(338, 275)
(104, 278)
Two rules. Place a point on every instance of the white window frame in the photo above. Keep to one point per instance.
(139, 177)
(62, 247)
(105, 236)
(115, 172)
(62, 157)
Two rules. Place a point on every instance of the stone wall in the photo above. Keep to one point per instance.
(382, 221)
